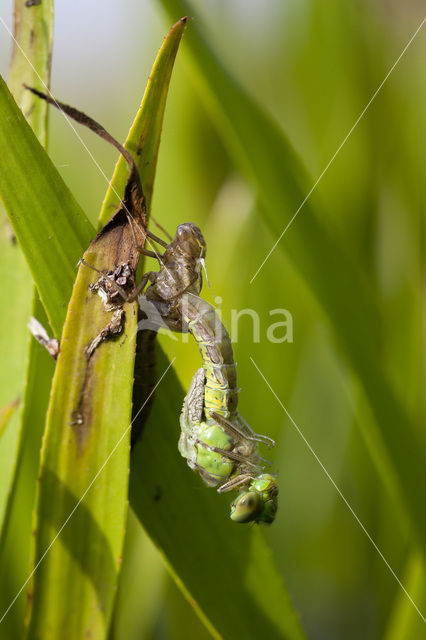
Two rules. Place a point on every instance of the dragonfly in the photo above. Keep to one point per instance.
(215, 440)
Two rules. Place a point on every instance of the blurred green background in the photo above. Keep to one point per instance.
(313, 65)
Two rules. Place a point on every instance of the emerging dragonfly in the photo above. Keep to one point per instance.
(215, 440)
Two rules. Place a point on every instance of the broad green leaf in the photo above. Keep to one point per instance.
(83, 485)
(282, 184)
(178, 608)
(139, 598)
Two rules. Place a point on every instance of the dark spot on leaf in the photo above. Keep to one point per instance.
(158, 494)
(32, 3)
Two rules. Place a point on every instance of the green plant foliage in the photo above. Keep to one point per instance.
(282, 185)
(405, 621)
(31, 61)
(6, 414)
(87, 441)
(69, 469)
(268, 94)
(9, 420)
(41, 196)
(254, 561)
(171, 476)
(18, 522)
(139, 596)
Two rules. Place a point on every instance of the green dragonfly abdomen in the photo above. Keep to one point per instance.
(198, 447)
(220, 451)
(201, 436)
(214, 344)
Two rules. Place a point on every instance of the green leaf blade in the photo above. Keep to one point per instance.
(84, 473)
(50, 226)
(31, 63)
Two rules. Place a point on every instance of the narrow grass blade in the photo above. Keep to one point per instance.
(16, 309)
(50, 226)
(9, 430)
(266, 156)
(31, 60)
(9, 427)
(84, 468)
(31, 63)
(32, 46)
(16, 534)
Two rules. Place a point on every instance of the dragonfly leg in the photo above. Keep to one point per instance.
(236, 482)
(156, 239)
(141, 286)
(149, 254)
(258, 436)
(157, 224)
(127, 297)
(194, 401)
(237, 433)
(107, 277)
(231, 455)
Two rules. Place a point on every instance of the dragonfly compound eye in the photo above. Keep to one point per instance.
(246, 507)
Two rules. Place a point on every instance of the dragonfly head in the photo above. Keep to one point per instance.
(190, 240)
(258, 502)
